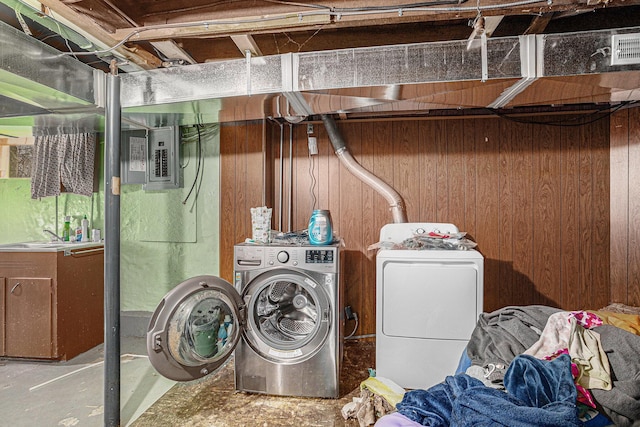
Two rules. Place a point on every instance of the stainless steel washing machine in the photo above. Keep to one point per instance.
(282, 316)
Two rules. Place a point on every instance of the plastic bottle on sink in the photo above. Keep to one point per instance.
(85, 229)
(66, 230)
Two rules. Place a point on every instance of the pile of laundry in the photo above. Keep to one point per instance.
(429, 241)
(378, 397)
(537, 366)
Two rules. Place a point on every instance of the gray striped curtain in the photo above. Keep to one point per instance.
(66, 159)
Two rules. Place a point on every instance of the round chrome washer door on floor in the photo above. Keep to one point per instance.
(195, 328)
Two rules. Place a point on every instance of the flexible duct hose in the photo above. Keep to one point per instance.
(396, 203)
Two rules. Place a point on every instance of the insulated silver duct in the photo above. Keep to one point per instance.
(396, 203)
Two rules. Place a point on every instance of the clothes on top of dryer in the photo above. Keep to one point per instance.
(429, 241)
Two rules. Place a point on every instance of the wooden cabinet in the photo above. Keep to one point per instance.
(51, 303)
(2, 281)
(28, 307)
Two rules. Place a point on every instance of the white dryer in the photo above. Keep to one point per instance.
(427, 305)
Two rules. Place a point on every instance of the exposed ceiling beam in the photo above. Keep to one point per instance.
(242, 17)
(539, 23)
(491, 23)
(221, 28)
(483, 26)
(246, 43)
(171, 51)
(96, 34)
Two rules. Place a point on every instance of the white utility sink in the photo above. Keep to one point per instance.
(45, 246)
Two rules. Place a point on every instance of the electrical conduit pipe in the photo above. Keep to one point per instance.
(395, 200)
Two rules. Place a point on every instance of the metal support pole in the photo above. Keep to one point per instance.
(112, 252)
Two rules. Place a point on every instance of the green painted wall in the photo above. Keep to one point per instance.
(23, 219)
(149, 269)
(151, 264)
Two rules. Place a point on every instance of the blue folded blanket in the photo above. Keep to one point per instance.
(538, 393)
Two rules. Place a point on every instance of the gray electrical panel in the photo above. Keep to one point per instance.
(152, 158)
(163, 160)
(133, 169)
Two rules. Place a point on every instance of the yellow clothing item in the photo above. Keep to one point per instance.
(384, 387)
(628, 322)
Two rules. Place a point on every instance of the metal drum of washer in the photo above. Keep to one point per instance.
(285, 316)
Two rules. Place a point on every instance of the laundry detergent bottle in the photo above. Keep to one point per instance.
(320, 228)
(66, 229)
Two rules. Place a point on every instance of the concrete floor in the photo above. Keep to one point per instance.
(43, 393)
(213, 401)
(71, 393)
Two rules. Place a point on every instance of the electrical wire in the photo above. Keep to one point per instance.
(358, 337)
(49, 15)
(199, 185)
(188, 157)
(203, 132)
(599, 114)
(198, 154)
(206, 131)
(338, 9)
(66, 39)
(312, 188)
(401, 7)
(355, 328)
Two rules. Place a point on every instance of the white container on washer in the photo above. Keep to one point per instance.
(85, 229)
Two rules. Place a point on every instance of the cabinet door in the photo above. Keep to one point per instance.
(2, 351)
(28, 317)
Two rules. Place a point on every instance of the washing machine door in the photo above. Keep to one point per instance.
(288, 315)
(195, 328)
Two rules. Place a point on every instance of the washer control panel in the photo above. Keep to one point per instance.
(313, 258)
(319, 256)
(283, 256)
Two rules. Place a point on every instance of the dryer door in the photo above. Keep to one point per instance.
(288, 315)
(195, 328)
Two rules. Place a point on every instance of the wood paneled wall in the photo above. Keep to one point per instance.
(534, 197)
(242, 179)
(625, 207)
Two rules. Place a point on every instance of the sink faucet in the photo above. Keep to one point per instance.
(54, 236)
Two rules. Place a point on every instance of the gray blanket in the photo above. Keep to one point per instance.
(501, 335)
(622, 402)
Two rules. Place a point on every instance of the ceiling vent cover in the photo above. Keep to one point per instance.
(625, 49)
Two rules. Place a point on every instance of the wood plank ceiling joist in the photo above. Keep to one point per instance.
(88, 27)
(222, 20)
